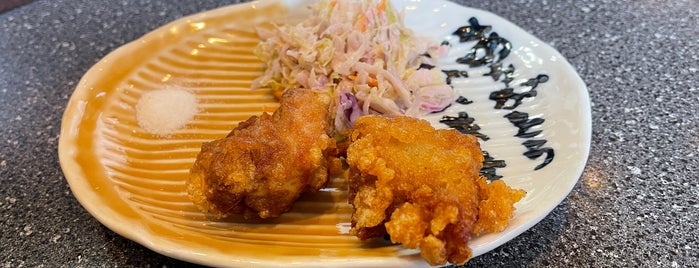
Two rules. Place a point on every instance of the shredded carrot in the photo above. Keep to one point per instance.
(380, 7)
(333, 3)
(372, 81)
(361, 23)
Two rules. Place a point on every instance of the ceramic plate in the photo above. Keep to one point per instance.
(133, 181)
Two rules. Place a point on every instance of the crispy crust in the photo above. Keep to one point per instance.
(421, 186)
(266, 162)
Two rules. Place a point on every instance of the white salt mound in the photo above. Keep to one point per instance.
(163, 111)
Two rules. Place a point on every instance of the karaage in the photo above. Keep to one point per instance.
(267, 162)
(421, 186)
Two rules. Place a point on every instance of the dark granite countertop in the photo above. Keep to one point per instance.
(635, 205)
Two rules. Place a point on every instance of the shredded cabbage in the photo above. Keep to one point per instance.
(363, 53)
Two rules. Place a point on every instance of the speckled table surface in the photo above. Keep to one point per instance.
(636, 204)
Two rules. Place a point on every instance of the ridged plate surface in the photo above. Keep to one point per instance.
(133, 181)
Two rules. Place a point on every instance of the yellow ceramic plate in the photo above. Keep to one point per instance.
(133, 181)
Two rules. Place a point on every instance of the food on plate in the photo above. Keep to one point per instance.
(363, 52)
(351, 79)
(421, 186)
(268, 161)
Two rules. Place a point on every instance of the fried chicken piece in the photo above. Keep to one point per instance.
(267, 162)
(496, 205)
(421, 186)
